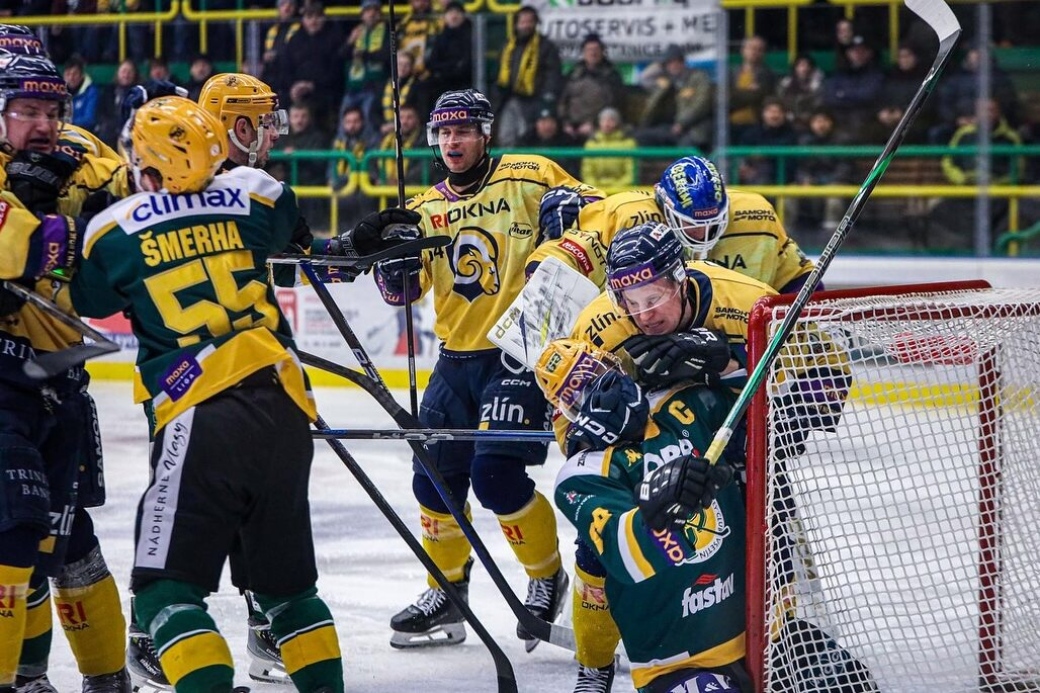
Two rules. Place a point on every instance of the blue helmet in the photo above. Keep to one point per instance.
(31, 77)
(20, 40)
(458, 108)
(694, 202)
(638, 257)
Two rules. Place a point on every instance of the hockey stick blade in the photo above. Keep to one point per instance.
(558, 635)
(503, 667)
(434, 435)
(942, 21)
(351, 259)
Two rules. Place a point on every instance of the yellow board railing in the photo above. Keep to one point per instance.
(119, 19)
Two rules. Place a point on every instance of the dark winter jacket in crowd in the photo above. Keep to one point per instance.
(451, 58)
(588, 91)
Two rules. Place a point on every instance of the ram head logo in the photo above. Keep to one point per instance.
(474, 262)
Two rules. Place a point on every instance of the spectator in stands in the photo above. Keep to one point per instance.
(961, 170)
(413, 91)
(609, 173)
(679, 104)
(820, 170)
(110, 105)
(303, 136)
(801, 91)
(852, 94)
(750, 84)
(84, 93)
(844, 33)
(314, 66)
(593, 84)
(885, 119)
(159, 70)
(958, 93)
(528, 79)
(385, 170)
(773, 130)
(201, 70)
(547, 134)
(354, 136)
(450, 62)
(416, 31)
(368, 55)
(274, 70)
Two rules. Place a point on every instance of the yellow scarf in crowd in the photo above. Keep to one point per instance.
(528, 68)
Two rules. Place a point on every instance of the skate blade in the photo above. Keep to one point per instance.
(266, 672)
(529, 645)
(448, 634)
(141, 685)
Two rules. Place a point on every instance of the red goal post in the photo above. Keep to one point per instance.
(911, 520)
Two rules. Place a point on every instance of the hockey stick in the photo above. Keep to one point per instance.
(941, 19)
(429, 435)
(558, 635)
(56, 362)
(503, 668)
(349, 258)
(395, 94)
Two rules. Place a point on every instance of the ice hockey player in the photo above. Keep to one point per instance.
(50, 180)
(489, 207)
(737, 229)
(666, 527)
(226, 393)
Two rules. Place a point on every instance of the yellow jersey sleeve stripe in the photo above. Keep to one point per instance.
(638, 567)
(93, 236)
(261, 199)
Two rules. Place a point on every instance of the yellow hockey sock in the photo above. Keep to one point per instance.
(445, 543)
(92, 618)
(14, 587)
(531, 531)
(595, 632)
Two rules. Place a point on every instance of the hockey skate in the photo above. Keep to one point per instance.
(545, 598)
(34, 684)
(265, 663)
(592, 680)
(142, 664)
(433, 620)
(119, 682)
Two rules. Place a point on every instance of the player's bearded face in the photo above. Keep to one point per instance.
(33, 124)
(656, 308)
(462, 146)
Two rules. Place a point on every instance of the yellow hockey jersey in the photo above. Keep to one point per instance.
(494, 230)
(754, 242)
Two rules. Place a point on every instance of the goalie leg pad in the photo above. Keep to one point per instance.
(36, 643)
(306, 635)
(91, 615)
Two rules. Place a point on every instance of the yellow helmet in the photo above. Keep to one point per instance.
(566, 367)
(180, 141)
(233, 95)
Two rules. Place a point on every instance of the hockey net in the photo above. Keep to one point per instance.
(907, 539)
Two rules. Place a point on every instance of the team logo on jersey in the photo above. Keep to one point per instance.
(474, 262)
(705, 532)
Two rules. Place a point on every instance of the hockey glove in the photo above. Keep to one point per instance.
(378, 231)
(613, 410)
(670, 494)
(697, 356)
(558, 211)
(390, 276)
(143, 93)
(36, 179)
(814, 402)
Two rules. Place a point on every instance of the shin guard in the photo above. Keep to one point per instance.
(595, 632)
(302, 626)
(445, 543)
(91, 615)
(531, 532)
(14, 589)
(36, 643)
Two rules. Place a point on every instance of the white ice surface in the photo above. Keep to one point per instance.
(367, 573)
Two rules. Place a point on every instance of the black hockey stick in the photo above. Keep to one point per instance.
(558, 635)
(938, 15)
(395, 94)
(503, 667)
(431, 435)
(349, 258)
(57, 362)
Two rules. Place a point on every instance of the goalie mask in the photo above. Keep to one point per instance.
(694, 202)
(178, 142)
(567, 368)
(231, 96)
(645, 272)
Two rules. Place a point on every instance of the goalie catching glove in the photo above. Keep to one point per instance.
(697, 356)
(676, 490)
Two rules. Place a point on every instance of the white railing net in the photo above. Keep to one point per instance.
(916, 522)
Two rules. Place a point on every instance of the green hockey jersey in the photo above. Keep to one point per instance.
(191, 270)
(677, 597)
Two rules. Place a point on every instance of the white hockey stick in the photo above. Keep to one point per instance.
(938, 15)
(545, 310)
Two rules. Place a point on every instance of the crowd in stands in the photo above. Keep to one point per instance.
(334, 77)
